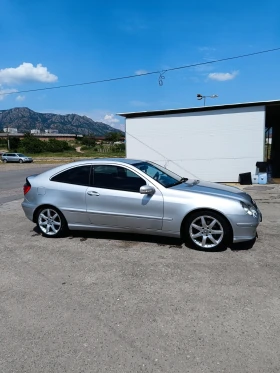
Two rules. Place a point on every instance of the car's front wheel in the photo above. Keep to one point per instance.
(5, 160)
(20, 161)
(207, 230)
(51, 222)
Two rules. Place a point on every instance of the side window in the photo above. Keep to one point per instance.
(78, 176)
(116, 177)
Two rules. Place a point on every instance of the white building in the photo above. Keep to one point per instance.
(214, 143)
(51, 131)
(10, 130)
(35, 131)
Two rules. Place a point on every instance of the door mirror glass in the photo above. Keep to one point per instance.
(147, 189)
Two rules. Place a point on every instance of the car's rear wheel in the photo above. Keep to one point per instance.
(51, 222)
(20, 161)
(5, 160)
(207, 230)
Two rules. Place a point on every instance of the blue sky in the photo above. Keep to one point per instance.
(49, 43)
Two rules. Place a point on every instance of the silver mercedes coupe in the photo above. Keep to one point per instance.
(138, 196)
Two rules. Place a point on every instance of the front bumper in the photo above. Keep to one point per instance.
(245, 227)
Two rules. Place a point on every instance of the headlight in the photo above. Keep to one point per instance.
(250, 210)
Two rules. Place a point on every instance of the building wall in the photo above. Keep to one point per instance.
(46, 138)
(215, 145)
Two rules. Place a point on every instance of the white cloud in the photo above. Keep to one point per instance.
(113, 122)
(141, 72)
(110, 119)
(4, 92)
(26, 72)
(222, 77)
(20, 98)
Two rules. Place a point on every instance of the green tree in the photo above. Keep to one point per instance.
(3, 142)
(14, 143)
(30, 144)
(55, 146)
(119, 148)
(89, 141)
(113, 136)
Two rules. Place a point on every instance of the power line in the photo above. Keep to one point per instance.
(161, 72)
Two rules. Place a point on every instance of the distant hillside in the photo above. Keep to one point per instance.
(25, 120)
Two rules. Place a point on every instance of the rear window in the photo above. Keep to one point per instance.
(78, 176)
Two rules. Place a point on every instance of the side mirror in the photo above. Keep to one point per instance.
(147, 189)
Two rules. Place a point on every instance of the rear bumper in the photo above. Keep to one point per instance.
(28, 210)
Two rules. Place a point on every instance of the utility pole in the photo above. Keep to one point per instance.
(8, 139)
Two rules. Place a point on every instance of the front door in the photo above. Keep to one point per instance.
(114, 200)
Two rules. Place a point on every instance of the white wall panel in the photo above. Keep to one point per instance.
(214, 145)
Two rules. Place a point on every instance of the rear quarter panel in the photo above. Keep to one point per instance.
(69, 199)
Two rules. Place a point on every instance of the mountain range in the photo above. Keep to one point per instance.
(25, 119)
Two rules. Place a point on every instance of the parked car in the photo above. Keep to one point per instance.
(125, 195)
(16, 157)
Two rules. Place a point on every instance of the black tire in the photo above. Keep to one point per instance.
(207, 230)
(4, 160)
(20, 161)
(51, 222)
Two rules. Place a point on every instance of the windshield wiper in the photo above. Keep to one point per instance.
(182, 180)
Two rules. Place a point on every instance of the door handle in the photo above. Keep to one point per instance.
(93, 193)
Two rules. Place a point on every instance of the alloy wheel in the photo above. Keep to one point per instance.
(206, 231)
(49, 222)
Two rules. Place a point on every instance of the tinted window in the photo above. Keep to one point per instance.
(77, 175)
(116, 177)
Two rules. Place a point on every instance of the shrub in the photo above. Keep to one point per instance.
(113, 136)
(119, 148)
(31, 144)
(56, 146)
(14, 143)
(88, 141)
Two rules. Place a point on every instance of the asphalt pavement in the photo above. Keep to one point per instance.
(12, 179)
(116, 303)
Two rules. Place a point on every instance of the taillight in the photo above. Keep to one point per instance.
(26, 188)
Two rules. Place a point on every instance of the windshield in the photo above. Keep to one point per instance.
(21, 155)
(163, 176)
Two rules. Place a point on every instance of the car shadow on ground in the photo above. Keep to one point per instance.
(159, 240)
